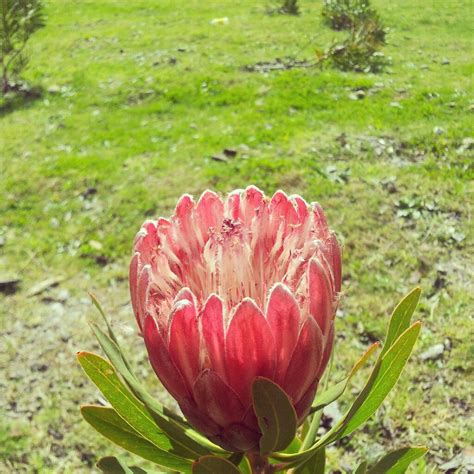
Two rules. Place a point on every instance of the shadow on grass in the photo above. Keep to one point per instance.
(21, 99)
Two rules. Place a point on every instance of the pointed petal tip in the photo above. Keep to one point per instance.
(185, 294)
(280, 287)
(208, 194)
(180, 305)
(279, 194)
(212, 299)
(247, 303)
(184, 205)
(253, 189)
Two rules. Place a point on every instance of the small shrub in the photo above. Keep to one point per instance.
(290, 7)
(345, 14)
(285, 7)
(360, 51)
(19, 19)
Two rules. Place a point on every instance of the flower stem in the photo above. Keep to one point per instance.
(260, 464)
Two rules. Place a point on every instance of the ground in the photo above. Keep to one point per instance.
(139, 100)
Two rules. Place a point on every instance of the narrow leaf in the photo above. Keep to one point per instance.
(235, 458)
(294, 446)
(244, 466)
(362, 468)
(401, 317)
(314, 465)
(333, 393)
(214, 465)
(383, 378)
(103, 374)
(113, 465)
(275, 414)
(96, 303)
(398, 461)
(109, 424)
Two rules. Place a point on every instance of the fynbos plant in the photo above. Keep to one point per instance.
(360, 51)
(235, 300)
(344, 14)
(19, 20)
(290, 7)
(285, 7)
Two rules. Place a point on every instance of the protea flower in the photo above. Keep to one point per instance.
(225, 291)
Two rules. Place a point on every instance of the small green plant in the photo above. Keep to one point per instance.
(361, 50)
(290, 7)
(345, 14)
(284, 7)
(19, 20)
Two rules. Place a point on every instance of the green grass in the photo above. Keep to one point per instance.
(142, 94)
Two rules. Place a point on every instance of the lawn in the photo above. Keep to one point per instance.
(139, 101)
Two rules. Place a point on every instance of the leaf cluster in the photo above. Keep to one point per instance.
(19, 19)
(345, 14)
(284, 7)
(360, 51)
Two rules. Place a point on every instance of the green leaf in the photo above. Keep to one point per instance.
(385, 375)
(113, 465)
(275, 414)
(398, 461)
(244, 466)
(214, 465)
(333, 393)
(401, 317)
(96, 303)
(109, 424)
(294, 446)
(103, 374)
(314, 465)
(235, 458)
(362, 468)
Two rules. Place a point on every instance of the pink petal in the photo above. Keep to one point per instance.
(303, 406)
(281, 208)
(328, 346)
(184, 208)
(142, 293)
(164, 231)
(321, 304)
(198, 419)
(184, 343)
(133, 283)
(215, 398)
(161, 361)
(320, 222)
(302, 208)
(283, 316)
(185, 294)
(251, 201)
(212, 320)
(336, 260)
(250, 419)
(209, 212)
(146, 240)
(249, 349)
(305, 361)
(240, 438)
(232, 205)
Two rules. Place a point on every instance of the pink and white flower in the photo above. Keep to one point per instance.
(228, 290)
